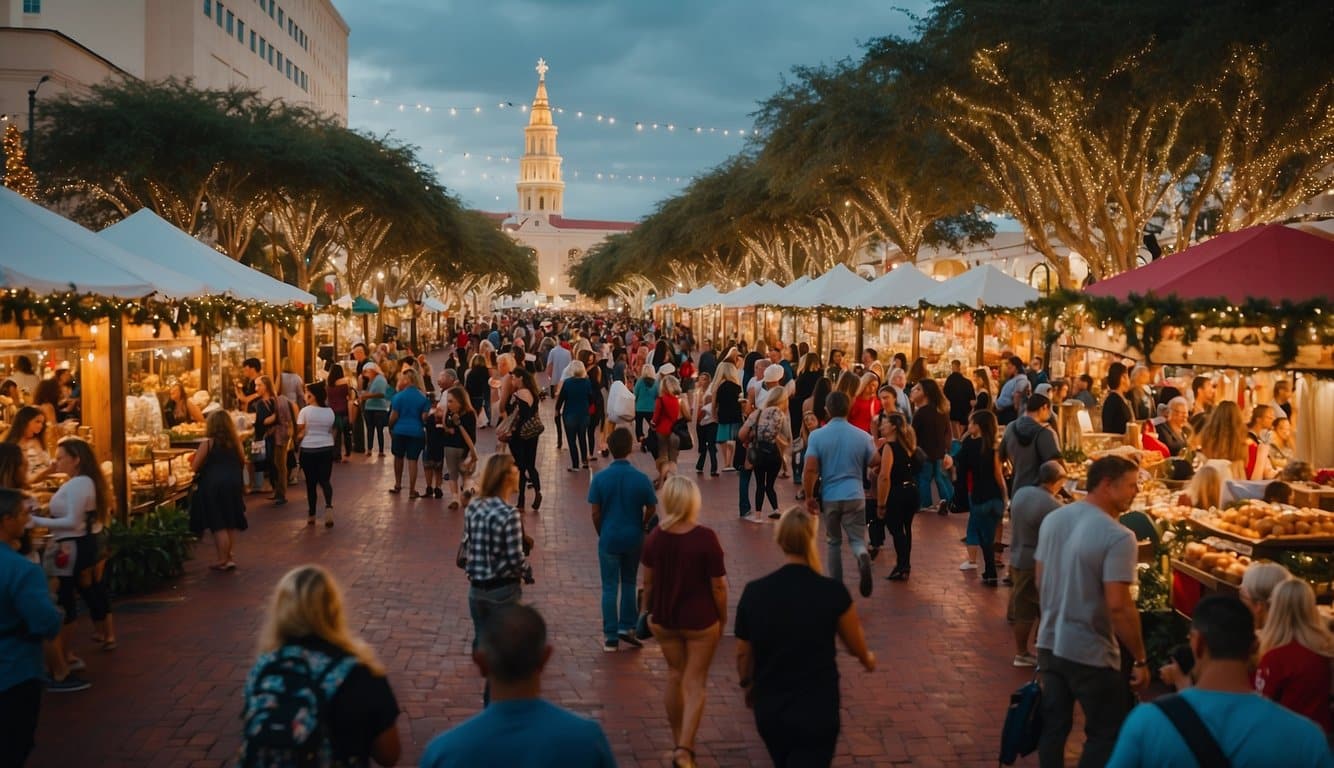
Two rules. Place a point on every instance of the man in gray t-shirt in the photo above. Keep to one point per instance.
(1085, 564)
(1029, 507)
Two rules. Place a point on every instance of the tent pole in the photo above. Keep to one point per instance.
(120, 480)
(917, 334)
(980, 320)
(861, 332)
(819, 331)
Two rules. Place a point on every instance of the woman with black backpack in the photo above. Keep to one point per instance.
(769, 433)
(306, 644)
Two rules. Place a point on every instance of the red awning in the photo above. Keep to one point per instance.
(1272, 262)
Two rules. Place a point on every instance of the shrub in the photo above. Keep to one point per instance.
(150, 551)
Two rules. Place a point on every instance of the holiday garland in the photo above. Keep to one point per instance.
(207, 315)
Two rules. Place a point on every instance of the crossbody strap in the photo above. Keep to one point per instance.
(1193, 731)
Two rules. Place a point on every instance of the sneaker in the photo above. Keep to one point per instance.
(1024, 660)
(775, 515)
(968, 565)
(1008, 581)
(629, 639)
(328, 517)
(610, 646)
(864, 570)
(70, 684)
(75, 664)
(752, 518)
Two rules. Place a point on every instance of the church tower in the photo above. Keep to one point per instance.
(541, 191)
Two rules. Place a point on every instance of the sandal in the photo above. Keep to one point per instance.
(689, 762)
(396, 489)
(413, 494)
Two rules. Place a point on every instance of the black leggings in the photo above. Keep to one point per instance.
(317, 466)
(376, 421)
(71, 587)
(765, 477)
(525, 458)
(642, 418)
(903, 505)
(707, 436)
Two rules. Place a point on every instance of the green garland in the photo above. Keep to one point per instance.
(1145, 319)
(207, 316)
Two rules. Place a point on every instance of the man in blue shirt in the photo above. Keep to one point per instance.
(623, 500)
(27, 616)
(838, 454)
(1246, 728)
(518, 727)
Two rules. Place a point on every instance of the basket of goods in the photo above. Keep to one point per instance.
(1262, 522)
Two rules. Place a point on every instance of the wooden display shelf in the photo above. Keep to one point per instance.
(1209, 580)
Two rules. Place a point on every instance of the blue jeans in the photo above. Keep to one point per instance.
(743, 487)
(619, 571)
(481, 602)
(933, 472)
(983, 516)
(576, 432)
(843, 518)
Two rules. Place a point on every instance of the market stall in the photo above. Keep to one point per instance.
(895, 314)
(983, 301)
(831, 296)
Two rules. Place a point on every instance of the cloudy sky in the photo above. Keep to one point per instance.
(433, 72)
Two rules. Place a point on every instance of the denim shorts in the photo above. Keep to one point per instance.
(407, 446)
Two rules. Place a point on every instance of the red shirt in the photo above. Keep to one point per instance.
(863, 410)
(666, 410)
(684, 565)
(1299, 679)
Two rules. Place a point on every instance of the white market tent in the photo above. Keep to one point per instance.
(699, 298)
(740, 297)
(156, 240)
(767, 294)
(835, 288)
(901, 287)
(46, 253)
(433, 304)
(982, 287)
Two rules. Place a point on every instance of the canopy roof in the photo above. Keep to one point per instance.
(1272, 261)
(768, 294)
(903, 286)
(156, 240)
(982, 287)
(364, 306)
(47, 253)
(737, 297)
(433, 304)
(700, 297)
(835, 288)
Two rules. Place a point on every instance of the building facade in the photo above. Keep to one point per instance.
(294, 50)
(540, 223)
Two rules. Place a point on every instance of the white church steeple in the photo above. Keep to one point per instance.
(541, 191)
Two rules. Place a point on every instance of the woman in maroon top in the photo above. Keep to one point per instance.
(666, 410)
(338, 394)
(686, 596)
(1296, 649)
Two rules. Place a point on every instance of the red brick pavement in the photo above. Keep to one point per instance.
(170, 696)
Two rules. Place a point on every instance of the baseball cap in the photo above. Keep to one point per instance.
(773, 373)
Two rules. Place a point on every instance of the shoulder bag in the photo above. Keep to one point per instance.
(1194, 732)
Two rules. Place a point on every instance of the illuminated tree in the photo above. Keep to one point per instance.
(18, 176)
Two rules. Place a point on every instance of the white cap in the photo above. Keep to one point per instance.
(667, 369)
(773, 373)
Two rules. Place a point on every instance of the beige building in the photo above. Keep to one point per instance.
(295, 50)
(540, 222)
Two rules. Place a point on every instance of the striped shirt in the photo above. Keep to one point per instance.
(495, 540)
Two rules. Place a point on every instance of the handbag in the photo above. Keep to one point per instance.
(505, 429)
(461, 556)
(1023, 723)
(531, 428)
(682, 431)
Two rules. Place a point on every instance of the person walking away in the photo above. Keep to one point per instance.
(519, 727)
(1245, 729)
(770, 434)
(524, 399)
(282, 425)
(340, 395)
(315, 427)
(1084, 566)
(458, 422)
(573, 405)
(623, 502)
(896, 488)
(80, 515)
(493, 541)
(685, 593)
(727, 411)
(838, 455)
(27, 617)
(1116, 411)
(305, 644)
(931, 423)
(786, 624)
(646, 396)
(477, 381)
(960, 393)
(1296, 648)
(218, 503)
(980, 463)
(1028, 508)
(706, 427)
(375, 405)
(407, 430)
(666, 411)
(1029, 442)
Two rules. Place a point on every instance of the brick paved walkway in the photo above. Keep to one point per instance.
(170, 696)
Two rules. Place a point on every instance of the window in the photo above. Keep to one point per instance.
(208, 7)
(263, 47)
(252, 41)
(230, 23)
(273, 6)
(33, 6)
(541, 202)
(271, 52)
(281, 19)
(240, 31)
(219, 17)
(289, 69)
(280, 62)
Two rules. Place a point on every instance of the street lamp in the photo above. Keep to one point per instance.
(32, 114)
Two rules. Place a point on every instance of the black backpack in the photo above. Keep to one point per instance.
(286, 697)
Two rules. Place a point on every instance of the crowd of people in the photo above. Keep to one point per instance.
(867, 446)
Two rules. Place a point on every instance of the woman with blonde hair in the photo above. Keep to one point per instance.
(1296, 651)
(685, 593)
(791, 617)
(667, 409)
(865, 404)
(218, 504)
(1257, 589)
(573, 407)
(307, 627)
(1205, 490)
(727, 395)
(1223, 438)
